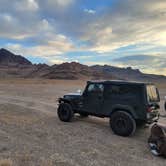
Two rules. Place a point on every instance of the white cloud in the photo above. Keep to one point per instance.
(54, 6)
(147, 63)
(10, 27)
(26, 5)
(53, 45)
(89, 11)
(131, 22)
(64, 3)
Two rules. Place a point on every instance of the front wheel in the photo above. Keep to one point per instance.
(65, 112)
(122, 123)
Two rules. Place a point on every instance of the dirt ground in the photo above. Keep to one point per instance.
(32, 135)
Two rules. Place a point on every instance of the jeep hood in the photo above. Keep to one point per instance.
(72, 95)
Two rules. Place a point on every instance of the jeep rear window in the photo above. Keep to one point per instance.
(152, 93)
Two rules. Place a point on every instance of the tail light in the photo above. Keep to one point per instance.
(149, 109)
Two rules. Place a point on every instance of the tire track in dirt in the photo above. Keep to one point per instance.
(48, 108)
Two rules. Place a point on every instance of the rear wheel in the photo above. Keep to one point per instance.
(65, 112)
(122, 123)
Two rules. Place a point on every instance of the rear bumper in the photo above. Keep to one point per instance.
(152, 117)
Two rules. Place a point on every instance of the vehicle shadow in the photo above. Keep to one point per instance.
(98, 122)
(103, 124)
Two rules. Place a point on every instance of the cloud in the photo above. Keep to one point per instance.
(51, 46)
(130, 22)
(61, 3)
(12, 27)
(26, 5)
(89, 11)
(53, 8)
(147, 63)
(57, 27)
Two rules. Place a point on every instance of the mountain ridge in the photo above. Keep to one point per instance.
(8, 58)
(17, 66)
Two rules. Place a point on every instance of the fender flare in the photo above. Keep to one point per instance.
(125, 108)
(63, 100)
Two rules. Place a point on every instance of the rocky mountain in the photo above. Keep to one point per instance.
(10, 59)
(16, 66)
(75, 70)
(129, 73)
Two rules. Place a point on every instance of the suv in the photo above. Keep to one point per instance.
(127, 104)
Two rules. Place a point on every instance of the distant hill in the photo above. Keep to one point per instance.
(16, 66)
(75, 70)
(129, 73)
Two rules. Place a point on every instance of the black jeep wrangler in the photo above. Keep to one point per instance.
(127, 104)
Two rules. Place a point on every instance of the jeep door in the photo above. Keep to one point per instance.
(93, 98)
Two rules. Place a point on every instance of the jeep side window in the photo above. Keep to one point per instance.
(113, 89)
(90, 88)
(120, 90)
(100, 88)
(96, 88)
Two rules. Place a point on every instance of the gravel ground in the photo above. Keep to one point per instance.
(32, 135)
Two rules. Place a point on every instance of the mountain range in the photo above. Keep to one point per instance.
(16, 66)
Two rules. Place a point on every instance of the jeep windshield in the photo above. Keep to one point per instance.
(152, 93)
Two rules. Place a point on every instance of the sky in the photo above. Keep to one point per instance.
(113, 32)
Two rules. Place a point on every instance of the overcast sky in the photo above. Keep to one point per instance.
(113, 32)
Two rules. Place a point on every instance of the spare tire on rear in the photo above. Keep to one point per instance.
(122, 123)
(65, 112)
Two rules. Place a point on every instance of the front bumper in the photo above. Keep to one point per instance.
(153, 117)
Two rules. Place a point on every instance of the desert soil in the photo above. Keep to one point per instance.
(32, 135)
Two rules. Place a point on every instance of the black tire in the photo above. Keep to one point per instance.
(122, 123)
(83, 115)
(65, 112)
(165, 105)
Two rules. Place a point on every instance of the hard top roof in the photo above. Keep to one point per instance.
(118, 82)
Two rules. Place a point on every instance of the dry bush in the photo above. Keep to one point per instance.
(6, 162)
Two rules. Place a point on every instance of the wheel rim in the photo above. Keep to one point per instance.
(121, 124)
